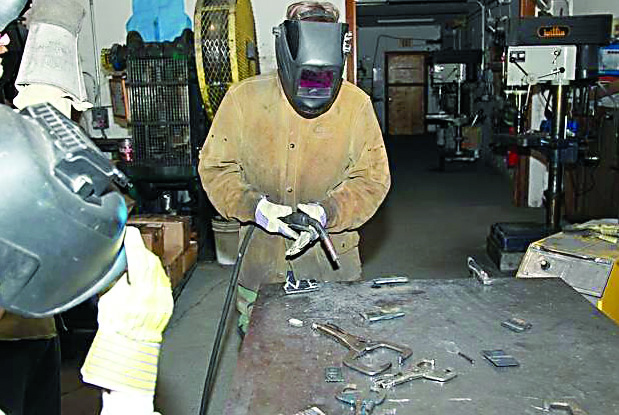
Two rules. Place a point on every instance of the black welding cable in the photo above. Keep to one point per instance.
(221, 328)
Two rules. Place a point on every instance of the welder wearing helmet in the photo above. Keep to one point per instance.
(63, 236)
(299, 139)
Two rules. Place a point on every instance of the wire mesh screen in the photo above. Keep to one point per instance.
(225, 47)
(246, 50)
(158, 90)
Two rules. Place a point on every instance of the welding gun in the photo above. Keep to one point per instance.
(302, 222)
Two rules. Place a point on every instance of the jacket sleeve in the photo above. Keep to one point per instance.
(355, 200)
(220, 169)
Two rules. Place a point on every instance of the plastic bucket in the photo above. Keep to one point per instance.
(226, 240)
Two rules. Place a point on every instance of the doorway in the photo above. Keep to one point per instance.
(406, 93)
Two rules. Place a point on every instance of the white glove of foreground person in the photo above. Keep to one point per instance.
(132, 315)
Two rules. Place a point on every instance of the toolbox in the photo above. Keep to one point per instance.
(516, 236)
(508, 241)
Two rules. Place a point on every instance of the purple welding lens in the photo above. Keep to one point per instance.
(315, 83)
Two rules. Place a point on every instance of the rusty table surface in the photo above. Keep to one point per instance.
(571, 351)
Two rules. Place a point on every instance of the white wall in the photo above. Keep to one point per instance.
(268, 14)
(372, 46)
(596, 6)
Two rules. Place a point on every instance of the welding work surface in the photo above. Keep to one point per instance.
(570, 351)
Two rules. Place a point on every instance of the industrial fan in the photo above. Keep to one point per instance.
(226, 52)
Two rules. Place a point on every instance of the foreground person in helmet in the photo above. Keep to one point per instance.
(63, 237)
(301, 138)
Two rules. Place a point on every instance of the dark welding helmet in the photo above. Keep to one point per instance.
(10, 10)
(310, 60)
(61, 223)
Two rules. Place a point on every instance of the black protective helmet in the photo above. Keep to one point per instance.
(310, 59)
(61, 223)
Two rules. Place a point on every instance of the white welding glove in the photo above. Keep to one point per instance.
(132, 316)
(315, 211)
(268, 217)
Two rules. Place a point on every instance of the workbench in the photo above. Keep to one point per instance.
(571, 350)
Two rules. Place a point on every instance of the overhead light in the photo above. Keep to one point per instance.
(419, 20)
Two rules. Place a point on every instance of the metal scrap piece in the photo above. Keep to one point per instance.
(517, 324)
(500, 359)
(334, 375)
(380, 315)
(294, 286)
(389, 280)
(478, 272)
(311, 411)
(569, 406)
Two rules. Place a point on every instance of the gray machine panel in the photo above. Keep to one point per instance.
(587, 276)
(541, 64)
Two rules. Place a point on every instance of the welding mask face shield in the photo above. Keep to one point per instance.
(62, 225)
(310, 59)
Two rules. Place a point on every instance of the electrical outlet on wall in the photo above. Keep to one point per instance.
(100, 118)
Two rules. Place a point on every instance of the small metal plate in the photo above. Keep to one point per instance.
(516, 324)
(373, 316)
(499, 358)
(334, 375)
(311, 411)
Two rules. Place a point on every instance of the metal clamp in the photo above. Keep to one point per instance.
(425, 369)
(363, 405)
(359, 346)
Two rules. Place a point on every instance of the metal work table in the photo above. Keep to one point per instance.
(571, 351)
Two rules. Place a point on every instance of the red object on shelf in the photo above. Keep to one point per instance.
(512, 158)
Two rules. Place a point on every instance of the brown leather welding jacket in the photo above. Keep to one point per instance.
(258, 145)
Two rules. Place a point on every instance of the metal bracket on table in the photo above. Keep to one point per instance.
(567, 406)
(478, 272)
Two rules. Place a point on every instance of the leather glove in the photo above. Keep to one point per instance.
(132, 316)
(315, 211)
(267, 217)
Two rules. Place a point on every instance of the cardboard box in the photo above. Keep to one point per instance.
(173, 264)
(472, 138)
(176, 230)
(152, 234)
(190, 256)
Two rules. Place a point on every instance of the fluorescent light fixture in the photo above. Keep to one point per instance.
(418, 20)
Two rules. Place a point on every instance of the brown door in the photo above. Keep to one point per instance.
(406, 93)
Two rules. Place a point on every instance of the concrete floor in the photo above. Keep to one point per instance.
(430, 222)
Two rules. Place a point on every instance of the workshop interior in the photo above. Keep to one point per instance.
(490, 279)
